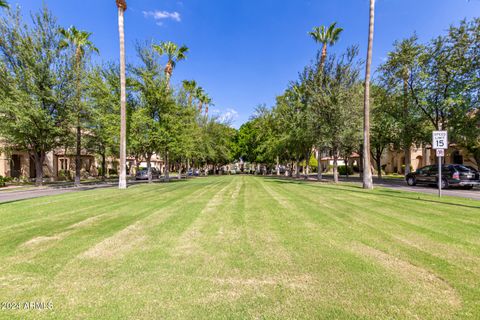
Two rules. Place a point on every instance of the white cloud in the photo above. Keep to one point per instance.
(230, 115)
(159, 16)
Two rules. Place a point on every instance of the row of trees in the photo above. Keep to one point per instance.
(419, 88)
(51, 96)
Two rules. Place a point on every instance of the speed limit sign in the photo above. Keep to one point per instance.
(440, 140)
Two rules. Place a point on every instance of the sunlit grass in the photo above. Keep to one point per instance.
(241, 247)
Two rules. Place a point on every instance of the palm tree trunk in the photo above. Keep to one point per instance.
(122, 182)
(324, 56)
(367, 170)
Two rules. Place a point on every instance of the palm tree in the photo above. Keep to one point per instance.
(174, 54)
(190, 87)
(367, 171)
(199, 93)
(79, 41)
(206, 101)
(4, 4)
(122, 181)
(327, 37)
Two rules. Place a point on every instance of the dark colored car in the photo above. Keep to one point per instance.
(453, 175)
(143, 174)
(193, 173)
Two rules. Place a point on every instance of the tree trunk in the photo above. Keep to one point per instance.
(319, 165)
(137, 164)
(408, 160)
(78, 156)
(335, 166)
(39, 157)
(180, 171)
(346, 167)
(367, 170)
(122, 181)
(167, 168)
(307, 165)
(278, 166)
(379, 164)
(297, 169)
(104, 165)
(324, 56)
(188, 168)
(149, 167)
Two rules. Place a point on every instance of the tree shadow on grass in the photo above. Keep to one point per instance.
(384, 192)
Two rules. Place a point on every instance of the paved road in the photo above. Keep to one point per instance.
(402, 185)
(9, 196)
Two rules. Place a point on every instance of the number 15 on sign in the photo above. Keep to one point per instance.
(440, 140)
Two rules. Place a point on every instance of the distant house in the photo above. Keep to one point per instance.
(58, 164)
(393, 161)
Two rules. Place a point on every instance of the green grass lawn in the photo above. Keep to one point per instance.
(241, 247)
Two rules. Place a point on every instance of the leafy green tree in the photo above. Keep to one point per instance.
(339, 102)
(4, 4)
(386, 130)
(80, 42)
(103, 127)
(34, 85)
(149, 125)
(400, 75)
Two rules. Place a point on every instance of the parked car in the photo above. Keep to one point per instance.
(193, 173)
(472, 168)
(453, 175)
(143, 174)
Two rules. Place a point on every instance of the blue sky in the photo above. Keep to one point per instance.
(245, 52)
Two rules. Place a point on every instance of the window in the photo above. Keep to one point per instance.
(63, 164)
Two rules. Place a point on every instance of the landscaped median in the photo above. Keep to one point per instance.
(240, 247)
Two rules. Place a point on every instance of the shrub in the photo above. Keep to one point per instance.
(403, 168)
(64, 175)
(2, 182)
(343, 170)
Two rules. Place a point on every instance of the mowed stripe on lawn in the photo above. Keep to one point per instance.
(242, 247)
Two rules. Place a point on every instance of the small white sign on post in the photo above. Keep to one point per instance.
(440, 143)
(440, 140)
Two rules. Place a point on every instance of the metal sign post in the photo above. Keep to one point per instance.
(440, 143)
